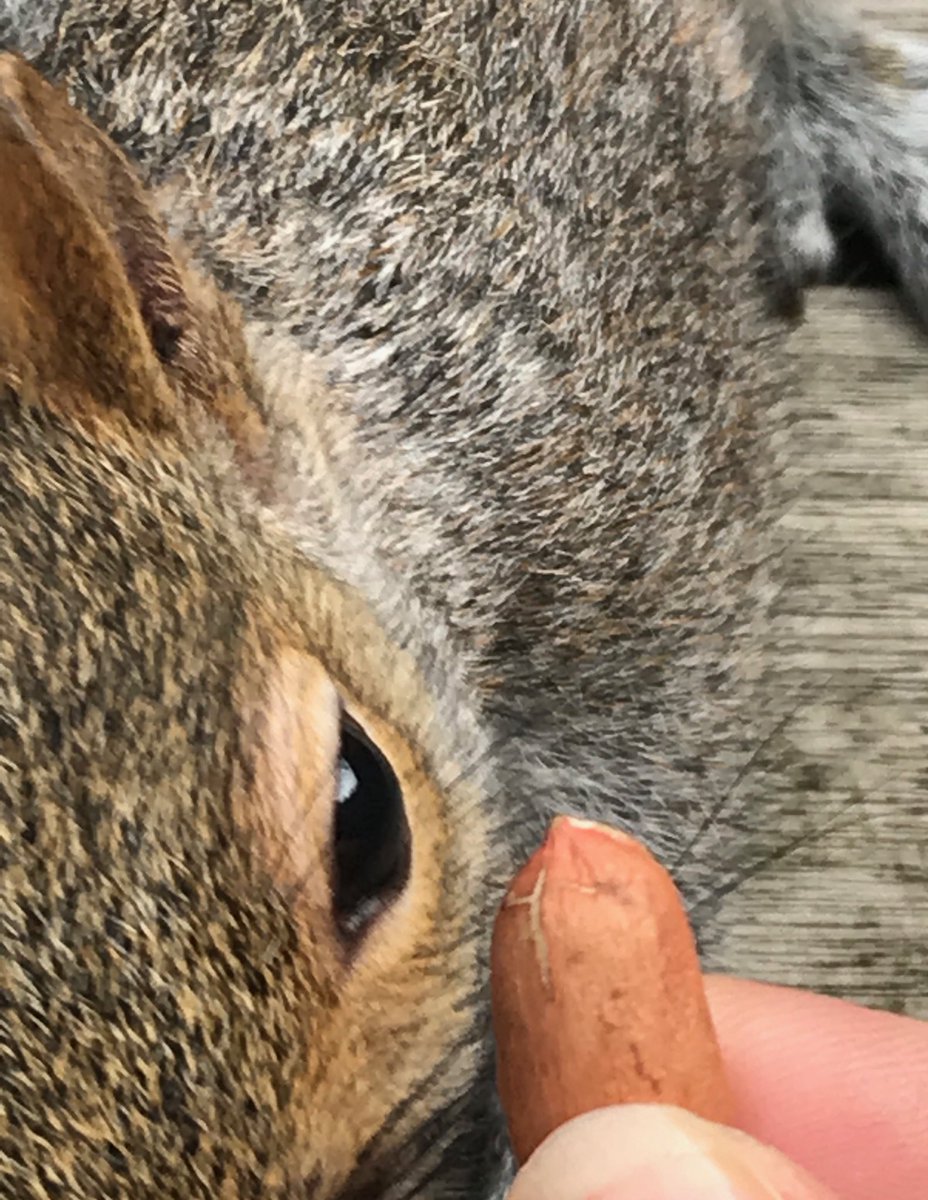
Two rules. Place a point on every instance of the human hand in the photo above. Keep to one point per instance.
(841, 1091)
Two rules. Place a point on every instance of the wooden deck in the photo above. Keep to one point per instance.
(851, 661)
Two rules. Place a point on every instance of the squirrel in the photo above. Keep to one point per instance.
(388, 409)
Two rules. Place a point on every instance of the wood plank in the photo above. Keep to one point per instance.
(848, 658)
(908, 15)
(849, 653)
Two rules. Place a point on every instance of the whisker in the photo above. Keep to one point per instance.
(425, 1149)
(738, 878)
(741, 774)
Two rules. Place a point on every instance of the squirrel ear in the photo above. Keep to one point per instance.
(92, 302)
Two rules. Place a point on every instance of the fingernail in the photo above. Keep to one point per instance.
(649, 1152)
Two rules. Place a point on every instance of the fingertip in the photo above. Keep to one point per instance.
(652, 1152)
(841, 1089)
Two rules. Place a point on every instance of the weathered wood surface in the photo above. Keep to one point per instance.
(852, 649)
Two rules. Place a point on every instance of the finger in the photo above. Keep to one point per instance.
(840, 1089)
(651, 1152)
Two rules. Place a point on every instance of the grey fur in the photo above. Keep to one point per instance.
(511, 276)
(847, 123)
(471, 258)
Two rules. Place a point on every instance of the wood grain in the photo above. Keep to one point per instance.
(848, 662)
(908, 16)
(849, 667)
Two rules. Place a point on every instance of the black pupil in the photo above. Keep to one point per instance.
(372, 843)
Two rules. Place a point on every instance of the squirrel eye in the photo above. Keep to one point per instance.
(371, 850)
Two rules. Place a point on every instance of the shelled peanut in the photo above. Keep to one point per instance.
(597, 990)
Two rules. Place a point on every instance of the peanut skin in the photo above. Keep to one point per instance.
(597, 991)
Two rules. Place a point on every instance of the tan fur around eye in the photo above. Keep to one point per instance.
(292, 732)
(405, 985)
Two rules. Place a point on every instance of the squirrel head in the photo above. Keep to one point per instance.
(242, 930)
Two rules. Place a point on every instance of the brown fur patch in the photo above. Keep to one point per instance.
(99, 311)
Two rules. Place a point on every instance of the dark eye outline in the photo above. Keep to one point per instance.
(371, 840)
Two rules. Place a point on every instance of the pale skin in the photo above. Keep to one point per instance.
(841, 1092)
